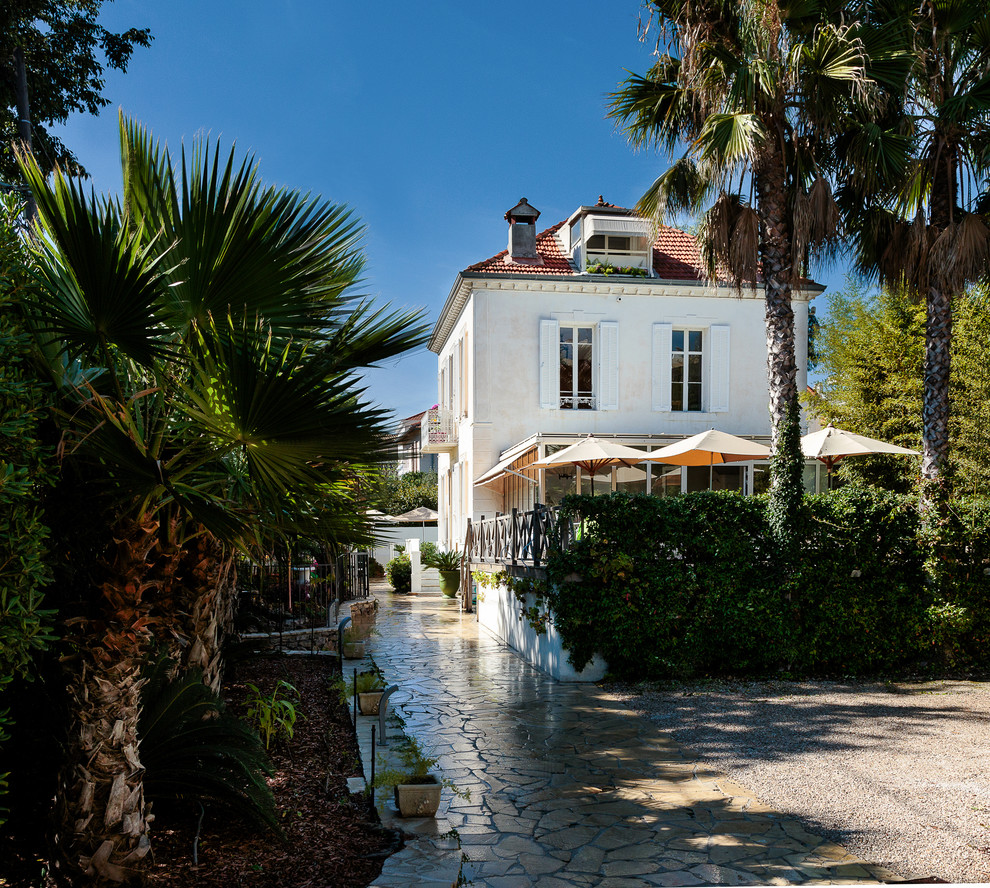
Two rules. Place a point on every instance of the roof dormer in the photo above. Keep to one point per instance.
(605, 239)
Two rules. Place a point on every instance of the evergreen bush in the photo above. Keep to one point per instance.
(696, 585)
(399, 573)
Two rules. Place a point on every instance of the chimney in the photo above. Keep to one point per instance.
(522, 233)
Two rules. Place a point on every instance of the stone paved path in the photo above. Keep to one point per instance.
(569, 787)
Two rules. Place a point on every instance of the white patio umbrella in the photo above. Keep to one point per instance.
(711, 448)
(831, 444)
(420, 513)
(594, 456)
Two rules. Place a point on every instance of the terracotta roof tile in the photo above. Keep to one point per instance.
(548, 248)
(675, 257)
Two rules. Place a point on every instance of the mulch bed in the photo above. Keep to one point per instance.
(331, 839)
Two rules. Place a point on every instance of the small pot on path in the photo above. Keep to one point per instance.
(353, 650)
(369, 702)
(420, 799)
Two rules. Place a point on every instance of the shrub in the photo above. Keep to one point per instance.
(192, 748)
(376, 569)
(698, 584)
(274, 714)
(399, 573)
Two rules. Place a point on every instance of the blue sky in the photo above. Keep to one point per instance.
(428, 119)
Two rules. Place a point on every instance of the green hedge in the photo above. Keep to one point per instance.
(399, 573)
(696, 585)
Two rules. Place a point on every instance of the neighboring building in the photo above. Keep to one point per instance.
(593, 326)
(411, 455)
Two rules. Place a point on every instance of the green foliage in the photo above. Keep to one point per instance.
(395, 494)
(441, 560)
(608, 268)
(399, 573)
(530, 594)
(871, 354)
(274, 714)
(25, 468)
(696, 585)
(65, 51)
(417, 763)
(786, 487)
(193, 748)
(369, 681)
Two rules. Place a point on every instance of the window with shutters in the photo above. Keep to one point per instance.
(686, 359)
(577, 368)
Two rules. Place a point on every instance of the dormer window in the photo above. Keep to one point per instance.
(614, 244)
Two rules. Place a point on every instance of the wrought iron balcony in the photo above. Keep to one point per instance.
(438, 431)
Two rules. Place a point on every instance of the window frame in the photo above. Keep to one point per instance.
(686, 353)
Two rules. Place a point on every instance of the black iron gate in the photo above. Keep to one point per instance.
(352, 576)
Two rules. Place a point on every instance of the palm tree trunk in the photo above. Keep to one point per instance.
(210, 576)
(104, 819)
(777, 263)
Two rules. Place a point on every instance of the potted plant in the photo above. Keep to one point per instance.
(353, 646)
(449, 566)
(415, 787)
(369, 687)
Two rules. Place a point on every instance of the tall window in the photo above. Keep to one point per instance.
(577, 368)
(685, 370)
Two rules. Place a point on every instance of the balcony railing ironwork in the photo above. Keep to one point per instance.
(438, 431)
(518, 539)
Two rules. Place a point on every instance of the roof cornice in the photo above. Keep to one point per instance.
(594, 284)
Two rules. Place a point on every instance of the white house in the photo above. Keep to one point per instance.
(598, 325)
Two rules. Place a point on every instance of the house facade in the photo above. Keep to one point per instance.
(410, 456)
(597, 325)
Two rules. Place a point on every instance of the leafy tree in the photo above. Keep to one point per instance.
(25, 466)
(52, 65)
(395, 494)
(754, 92)
(872, 352)
(915, 195)
(206, 343)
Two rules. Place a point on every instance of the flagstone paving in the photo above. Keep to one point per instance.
(568, 786)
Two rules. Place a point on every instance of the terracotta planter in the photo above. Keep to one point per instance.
(354, 650)
(450, 582)
(369, 702)
(418, 799)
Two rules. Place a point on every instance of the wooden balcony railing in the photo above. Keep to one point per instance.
(517, 539)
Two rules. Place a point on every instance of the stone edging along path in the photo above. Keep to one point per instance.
(569, 787)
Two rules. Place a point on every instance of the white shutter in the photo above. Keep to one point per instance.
(608, 365)
(662, 344)
(549, 364)
(455, 381)
(718, 387)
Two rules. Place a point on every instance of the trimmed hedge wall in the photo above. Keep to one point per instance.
(694, 585)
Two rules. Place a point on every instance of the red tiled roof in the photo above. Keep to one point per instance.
(548, 248)
(675, 257)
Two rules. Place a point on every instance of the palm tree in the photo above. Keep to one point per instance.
(754, 93)
(207, 347)
(915, 195)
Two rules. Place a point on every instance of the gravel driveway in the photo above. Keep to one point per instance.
(898, 773)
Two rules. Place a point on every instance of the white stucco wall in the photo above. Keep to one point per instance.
(499, 613)
(500, 323)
